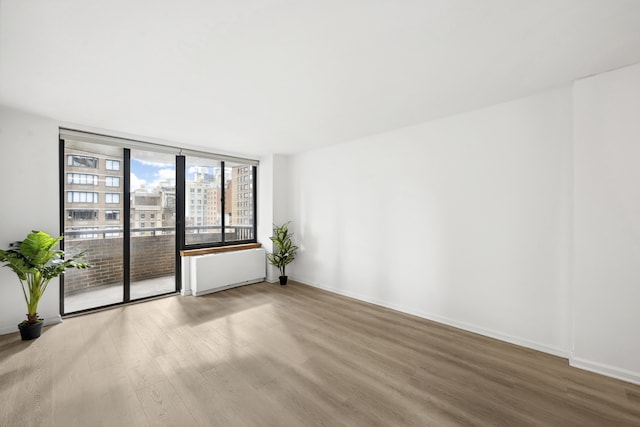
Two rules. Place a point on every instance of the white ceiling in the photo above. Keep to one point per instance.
(283, 76)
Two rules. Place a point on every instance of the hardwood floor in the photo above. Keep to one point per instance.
(266, 355)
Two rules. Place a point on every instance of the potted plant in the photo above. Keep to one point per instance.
(36, 262)
(285, 250)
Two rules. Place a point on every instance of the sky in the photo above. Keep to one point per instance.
(148, 174)
(145, 174)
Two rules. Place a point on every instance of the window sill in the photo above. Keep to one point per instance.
(205, 251)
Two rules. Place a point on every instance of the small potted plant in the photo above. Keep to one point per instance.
(36, 262)
(285, 250)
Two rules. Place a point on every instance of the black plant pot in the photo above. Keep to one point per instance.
(30, 331)
(283, 280)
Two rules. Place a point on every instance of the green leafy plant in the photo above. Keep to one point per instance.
(36, 262)
(286, 250)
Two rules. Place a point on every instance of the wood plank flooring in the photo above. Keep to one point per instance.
(266, 355)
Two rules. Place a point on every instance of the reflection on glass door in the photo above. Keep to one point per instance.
(153, 224)
(93, 224)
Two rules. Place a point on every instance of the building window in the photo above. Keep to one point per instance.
(112, 165)
(82, 161)
(82, 214)
(82, 179)
(112, 215)
(112, 198)
(82, 197)
(82, 232)
(112, 234)
(112, 181)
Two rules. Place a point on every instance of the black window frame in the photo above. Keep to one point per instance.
(249, 165)
(223, 190)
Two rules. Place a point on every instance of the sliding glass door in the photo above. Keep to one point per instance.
(153, 223)
(119, 208)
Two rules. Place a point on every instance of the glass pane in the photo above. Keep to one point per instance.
(153, 220)
(93, 226)
(203, 204)
(239, 210)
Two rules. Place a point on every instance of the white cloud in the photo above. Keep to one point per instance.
(166, 174)
(136, 182)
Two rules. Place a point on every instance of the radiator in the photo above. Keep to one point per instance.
(216, 272)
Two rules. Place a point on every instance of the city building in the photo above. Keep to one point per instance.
(93, 195)
(241, 186)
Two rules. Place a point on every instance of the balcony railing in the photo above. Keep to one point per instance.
(232, 232)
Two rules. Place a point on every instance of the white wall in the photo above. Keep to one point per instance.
(265, 207)
(272, 202)
(464, 220)
(607, 223)
(30, 200)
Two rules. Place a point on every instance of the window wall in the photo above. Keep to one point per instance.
(131, 207)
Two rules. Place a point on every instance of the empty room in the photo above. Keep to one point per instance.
(297, 213)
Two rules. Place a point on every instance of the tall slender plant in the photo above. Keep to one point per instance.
(36, 263)
(285, 251)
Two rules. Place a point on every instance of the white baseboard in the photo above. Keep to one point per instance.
(53, 320)
(602, 369)
(576, 362)
(444, 320)
(9, 329)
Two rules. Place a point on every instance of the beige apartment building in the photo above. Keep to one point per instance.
(93, 200)
(241, 194)
(202, 204)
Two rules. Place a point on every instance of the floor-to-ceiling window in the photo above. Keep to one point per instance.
(132, 206)
(93, 218)
(152, 215)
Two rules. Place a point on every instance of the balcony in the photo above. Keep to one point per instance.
(152, 262)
